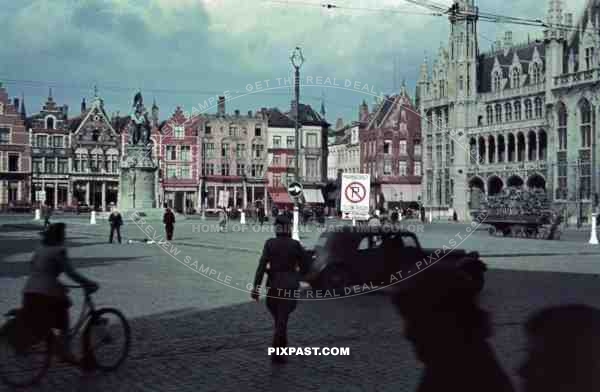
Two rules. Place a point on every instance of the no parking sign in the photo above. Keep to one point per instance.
(355, 194)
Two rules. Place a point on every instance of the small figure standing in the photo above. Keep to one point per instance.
(222, 219)
(261, 216)
(116, 221)
(169, 221)
(47, 214)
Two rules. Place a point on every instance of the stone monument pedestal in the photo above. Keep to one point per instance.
(138, 179)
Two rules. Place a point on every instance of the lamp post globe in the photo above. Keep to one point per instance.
(297, 58)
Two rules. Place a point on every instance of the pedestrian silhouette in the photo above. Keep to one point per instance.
(116, 221)
(169, 221)
(564, 350)
(286, 258)
(449, 332)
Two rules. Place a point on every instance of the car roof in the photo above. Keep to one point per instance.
(361, 231)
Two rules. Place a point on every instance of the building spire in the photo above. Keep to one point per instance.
(323, 112)
(23, 111)
(50, 94)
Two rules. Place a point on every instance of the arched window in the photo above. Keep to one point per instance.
(497, 80)
(562, 126)
(538, 108)
(515, 78)
(528, 109)
(498, 109)
(508, 111)
(586, 124)
(49, 122)
(536, 73)
(490, 114)
(517, 107)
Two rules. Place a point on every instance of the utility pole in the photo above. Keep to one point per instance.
(297, 60)
(203, 188)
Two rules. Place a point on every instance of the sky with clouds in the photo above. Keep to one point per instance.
(182, 52)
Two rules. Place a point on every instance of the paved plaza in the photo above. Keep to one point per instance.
(193, 332)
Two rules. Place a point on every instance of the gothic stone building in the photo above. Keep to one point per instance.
(15, 153)
(518, 115)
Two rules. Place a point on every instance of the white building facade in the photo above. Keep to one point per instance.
(344, 151)
(519, 115)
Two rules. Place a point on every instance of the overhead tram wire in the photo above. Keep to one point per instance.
(350, 8)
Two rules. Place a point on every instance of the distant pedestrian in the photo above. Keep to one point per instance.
(222, 219)
(169, 221)
(455, 216)
(423, 214)
(261, 216)
(116, 221)
(47, 214)
(286, 258)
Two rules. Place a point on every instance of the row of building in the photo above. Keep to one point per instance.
(69, 159)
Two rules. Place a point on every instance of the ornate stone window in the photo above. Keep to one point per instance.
(515, 79)
(508, 111)
(538, 108)
(586, 124)
(562, 126)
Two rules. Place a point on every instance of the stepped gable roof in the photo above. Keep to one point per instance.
(524, 52)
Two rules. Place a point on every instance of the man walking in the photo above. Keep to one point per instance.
(116, 221)
(286, 258)
(169, 221)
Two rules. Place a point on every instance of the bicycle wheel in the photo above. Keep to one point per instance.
(22, 364)
(107, 338)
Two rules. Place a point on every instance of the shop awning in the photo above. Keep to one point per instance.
(280, 198)
(313, 196)
(400, 192)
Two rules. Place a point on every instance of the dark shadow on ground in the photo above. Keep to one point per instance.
(225, 349)
(19, 269)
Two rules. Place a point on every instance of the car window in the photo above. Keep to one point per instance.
(364, 244)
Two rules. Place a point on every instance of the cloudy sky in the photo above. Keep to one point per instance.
(182, 52)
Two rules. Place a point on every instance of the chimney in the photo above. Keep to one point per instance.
(65, 110)
(508, 35)
(339, 124)
(250, 113)
(237, 113)
(569, 19)
(16, 104)
(221, 106)
(293, 107)
(83, 108)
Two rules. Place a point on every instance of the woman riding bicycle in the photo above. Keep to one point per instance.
(45, 300)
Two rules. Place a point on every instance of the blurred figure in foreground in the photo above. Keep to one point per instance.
(449, 332)
(286, 258)
(564, 350)
(47, 211)
(45, 300)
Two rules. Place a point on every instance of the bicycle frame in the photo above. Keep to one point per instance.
(87, 309)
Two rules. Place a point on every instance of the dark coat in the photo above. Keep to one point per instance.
(115, 219)
(284, 255)
(169, 218)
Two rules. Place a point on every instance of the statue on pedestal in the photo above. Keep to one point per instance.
(139, 132)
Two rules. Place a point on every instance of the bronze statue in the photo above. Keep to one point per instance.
(140, 124)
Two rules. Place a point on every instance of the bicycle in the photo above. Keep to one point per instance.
(92, 323)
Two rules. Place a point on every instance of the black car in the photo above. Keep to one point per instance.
(372, 255)
(83, 208)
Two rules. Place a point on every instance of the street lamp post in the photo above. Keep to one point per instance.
(203, 190)
(297, 60)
